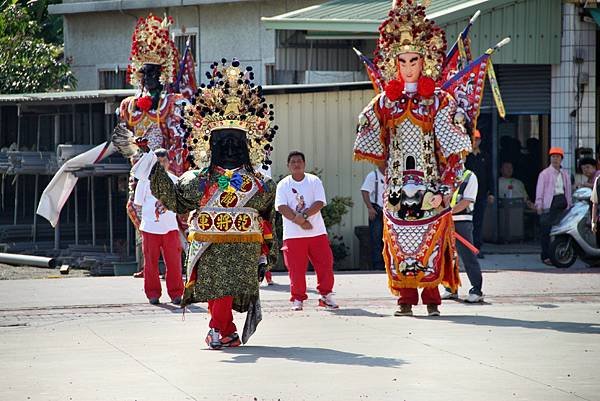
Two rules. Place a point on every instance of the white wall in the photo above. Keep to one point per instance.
(103, 40)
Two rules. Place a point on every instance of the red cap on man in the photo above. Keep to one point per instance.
(556, 150)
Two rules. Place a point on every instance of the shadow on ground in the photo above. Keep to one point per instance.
(564, 327)
(355, 312)
(251, 354)
(276, 287)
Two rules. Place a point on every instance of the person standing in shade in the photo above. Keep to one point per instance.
(590, 171)
(160, 235)
(462, 214)
(510, 187)
(552, 198)
(595, 218)
(372, 194)
(479, 163)
(300, 197)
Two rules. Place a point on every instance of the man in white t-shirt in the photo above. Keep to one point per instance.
(462, 214)
(372, 194)
(300, 198)
(160, 234)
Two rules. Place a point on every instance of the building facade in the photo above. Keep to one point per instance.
(97, 34)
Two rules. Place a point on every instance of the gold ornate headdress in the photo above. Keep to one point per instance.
(152, 44)
(230, 100)
(407, 30)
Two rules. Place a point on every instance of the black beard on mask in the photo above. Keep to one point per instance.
(151, 82)
(229, 149)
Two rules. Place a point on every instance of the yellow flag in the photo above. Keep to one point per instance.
(495, 89)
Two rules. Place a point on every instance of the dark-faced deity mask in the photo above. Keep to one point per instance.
(151, 77)
(229, 149)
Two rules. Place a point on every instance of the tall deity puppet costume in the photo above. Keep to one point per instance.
(228, 131)
(152, 116)
(409, 128)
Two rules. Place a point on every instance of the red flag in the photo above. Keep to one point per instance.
(188, 85)
(467, 88)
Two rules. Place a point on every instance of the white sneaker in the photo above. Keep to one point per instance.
(327, 301)
(474, 298)
(297, 305)
(448, 295)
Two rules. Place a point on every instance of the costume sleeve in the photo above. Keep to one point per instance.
(539, 191)
(452, 144)
(123, 110)
(594, 197)
(270, 246)
(370, 140)
(180, 197)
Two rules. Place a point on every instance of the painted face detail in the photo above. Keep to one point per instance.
(410, 66)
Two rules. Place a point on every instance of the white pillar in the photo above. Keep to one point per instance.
(574, 127)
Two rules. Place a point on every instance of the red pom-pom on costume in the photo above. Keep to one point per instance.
(394, 89)
(144, 103)
(425, 87)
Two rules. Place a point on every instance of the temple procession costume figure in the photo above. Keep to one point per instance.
(228, 133)
(153, 115)
(410, 129)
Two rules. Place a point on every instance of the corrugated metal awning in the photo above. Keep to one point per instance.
(533, 25)
(97, 6)
(66, 97)
(365, 15)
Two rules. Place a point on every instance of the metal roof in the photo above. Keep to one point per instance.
(98, 6)
(533, 25)
(66, 97)
(366, 15)
(111, 95)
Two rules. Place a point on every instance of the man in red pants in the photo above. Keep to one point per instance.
(300, 198)
(160, 234)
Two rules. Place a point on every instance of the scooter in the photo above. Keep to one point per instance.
(572, 237)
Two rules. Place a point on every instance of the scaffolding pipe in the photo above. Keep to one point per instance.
(75, 198)
(93, 211)
(57, 235)
(16, 199)
(90, 122)
(34, 229)
(110, 214)
(73, 122)
(27, 260)
(128, 236)
(18, 127)
(39, 132)
(56, 130)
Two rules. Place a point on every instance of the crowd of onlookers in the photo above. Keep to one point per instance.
(544, 190)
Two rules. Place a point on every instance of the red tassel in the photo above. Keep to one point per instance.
(425, 87)
(144, 103)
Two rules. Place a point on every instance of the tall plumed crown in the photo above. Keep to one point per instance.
(152, 44)
(407, 30)
(230, 100)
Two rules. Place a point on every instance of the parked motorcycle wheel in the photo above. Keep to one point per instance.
(562, 252)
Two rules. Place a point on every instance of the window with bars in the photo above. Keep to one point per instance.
(111, 79)
(181, 40)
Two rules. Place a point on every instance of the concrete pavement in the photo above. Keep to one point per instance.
(536, 338)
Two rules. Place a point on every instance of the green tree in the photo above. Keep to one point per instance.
(31, 51)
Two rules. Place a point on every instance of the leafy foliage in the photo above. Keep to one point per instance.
(31, 52)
